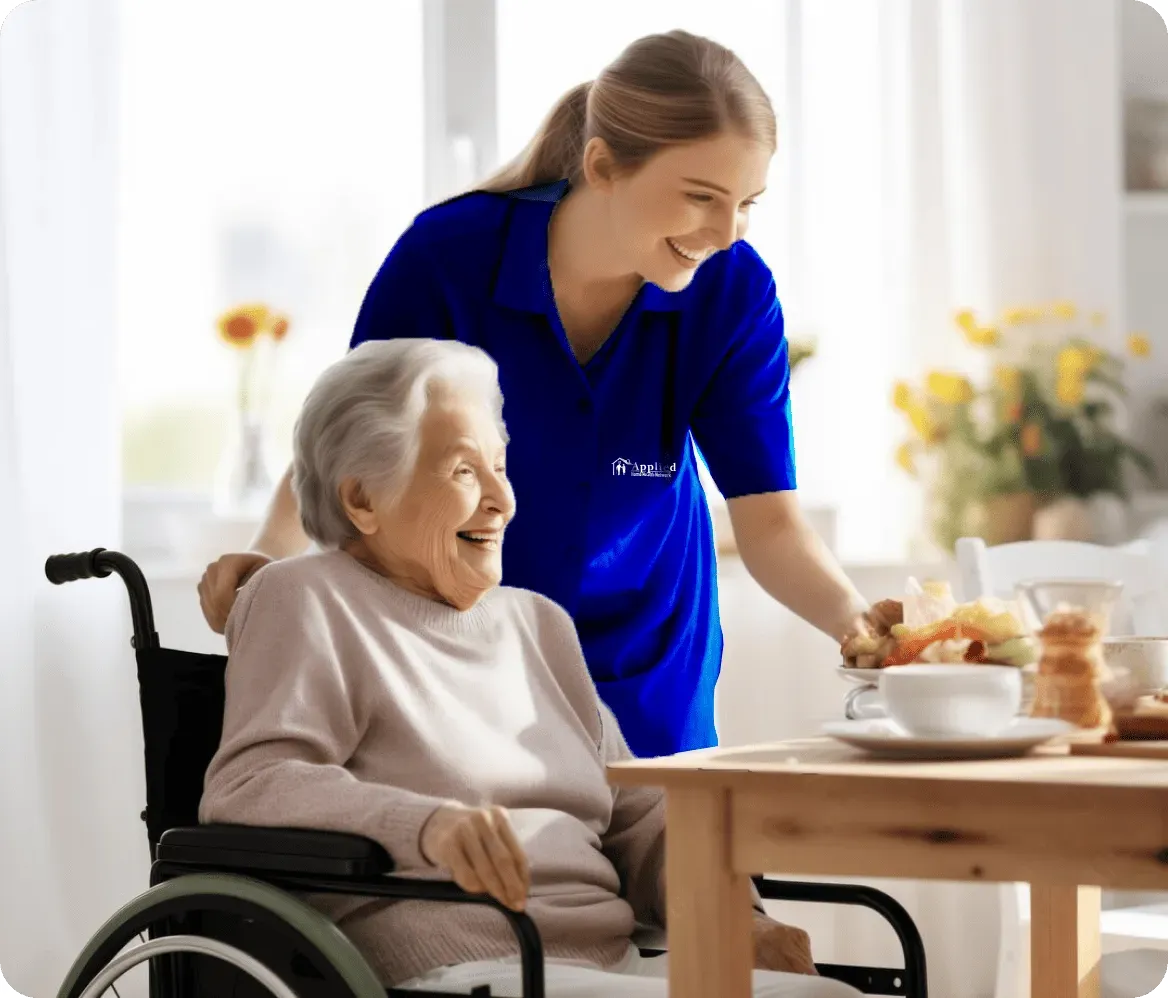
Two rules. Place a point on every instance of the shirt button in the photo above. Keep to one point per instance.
(584, 486)
(584, 405)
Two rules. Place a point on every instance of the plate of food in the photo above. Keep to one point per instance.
(930, 626)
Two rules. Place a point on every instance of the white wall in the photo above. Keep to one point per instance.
(1145, 50)
(1144, 60)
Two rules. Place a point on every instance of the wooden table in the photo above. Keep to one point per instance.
(1067, 825)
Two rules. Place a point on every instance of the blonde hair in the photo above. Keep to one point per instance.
(662, 90)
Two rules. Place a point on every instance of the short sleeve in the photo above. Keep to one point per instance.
(405, 297)
(742, 422)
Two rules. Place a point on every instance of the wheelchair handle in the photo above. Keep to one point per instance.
(62, 568)
(97, 564)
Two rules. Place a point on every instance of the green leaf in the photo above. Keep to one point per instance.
(1141, 461)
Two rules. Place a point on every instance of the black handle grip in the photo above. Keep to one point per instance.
(61, 568)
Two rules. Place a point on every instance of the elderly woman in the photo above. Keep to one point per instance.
(389, 687)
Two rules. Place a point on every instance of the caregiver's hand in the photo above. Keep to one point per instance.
(876, 621)
(781, 947)
(220, 582)
(479, 848)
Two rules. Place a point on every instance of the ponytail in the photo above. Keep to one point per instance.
(556, 151)
(662, 90)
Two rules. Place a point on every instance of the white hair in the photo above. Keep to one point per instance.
(362, 418)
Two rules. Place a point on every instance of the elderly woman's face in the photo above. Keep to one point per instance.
(444, 535)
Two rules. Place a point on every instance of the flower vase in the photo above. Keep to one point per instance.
(1008, 517)
(1065, 519)
(244, 481)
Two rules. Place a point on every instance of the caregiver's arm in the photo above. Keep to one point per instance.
(281, 535)
(786, 557)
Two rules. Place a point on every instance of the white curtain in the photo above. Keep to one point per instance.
(943, 154)
(947, 153)
(71, 847)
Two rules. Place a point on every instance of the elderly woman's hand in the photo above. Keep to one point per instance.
(479, 848)
(781, 947)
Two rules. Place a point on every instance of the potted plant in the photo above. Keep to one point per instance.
(1024, 454)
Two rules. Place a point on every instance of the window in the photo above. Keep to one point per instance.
(269, 151)
(276, 152)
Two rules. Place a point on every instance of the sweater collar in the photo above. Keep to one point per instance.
(428, 612)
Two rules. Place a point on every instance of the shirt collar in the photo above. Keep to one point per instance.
(524, 281)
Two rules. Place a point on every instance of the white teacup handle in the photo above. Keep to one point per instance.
(863, 703)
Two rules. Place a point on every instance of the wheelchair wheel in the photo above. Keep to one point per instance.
(170, 945)
(218, 934)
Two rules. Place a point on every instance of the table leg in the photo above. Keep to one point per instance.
(1065, 942)
(708, 904)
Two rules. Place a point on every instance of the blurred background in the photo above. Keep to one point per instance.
(968, 223)
(934, 157)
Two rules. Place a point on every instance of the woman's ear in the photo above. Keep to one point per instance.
(599, 165)
(358, 507)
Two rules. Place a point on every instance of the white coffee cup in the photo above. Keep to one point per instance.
(951, 701)
(1137, 666)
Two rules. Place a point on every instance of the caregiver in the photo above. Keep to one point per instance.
(605, 273)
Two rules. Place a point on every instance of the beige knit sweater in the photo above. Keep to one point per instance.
(356, 706)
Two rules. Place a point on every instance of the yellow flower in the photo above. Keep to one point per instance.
(1070, 389)
(1015, 316)
(902, 396)
(1064, 310)
(1031, 440)
(1009, 379)
(241, 325)
(279, 327)
(1076, 361)
(953, 389)
(923, 423)
(1138, 345)
(904, 458)
(966, 320)
(983, 336)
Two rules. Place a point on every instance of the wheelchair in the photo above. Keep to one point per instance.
(225, 913)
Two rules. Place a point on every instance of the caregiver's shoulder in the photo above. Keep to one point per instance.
(475, 215)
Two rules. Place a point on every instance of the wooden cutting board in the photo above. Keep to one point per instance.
(1143, 733)
(1125, 749)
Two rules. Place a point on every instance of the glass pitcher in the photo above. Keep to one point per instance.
(1039, 598)
(1072, 676)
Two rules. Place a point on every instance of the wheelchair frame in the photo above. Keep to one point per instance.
(253, 872)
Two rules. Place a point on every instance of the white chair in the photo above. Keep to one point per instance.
(1143, 609)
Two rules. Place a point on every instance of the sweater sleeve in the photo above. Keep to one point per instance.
(292, 725)
(635, 839)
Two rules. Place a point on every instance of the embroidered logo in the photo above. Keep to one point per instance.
(623, 466)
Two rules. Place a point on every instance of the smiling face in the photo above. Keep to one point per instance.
(443, 536)
(682, 205)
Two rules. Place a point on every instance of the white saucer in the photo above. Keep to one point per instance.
(881, 737)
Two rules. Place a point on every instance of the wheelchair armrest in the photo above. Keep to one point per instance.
(275, 850)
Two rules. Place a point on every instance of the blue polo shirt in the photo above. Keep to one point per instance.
(612, 521)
